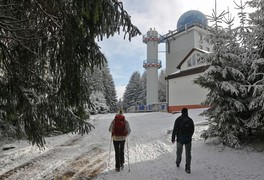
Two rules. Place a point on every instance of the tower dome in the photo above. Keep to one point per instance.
(191, 17)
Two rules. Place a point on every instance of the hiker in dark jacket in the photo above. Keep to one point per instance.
(184, 129)
(119, 135)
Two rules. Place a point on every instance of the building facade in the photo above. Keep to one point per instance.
(183, 47)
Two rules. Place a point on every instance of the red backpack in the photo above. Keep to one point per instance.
(119, 126)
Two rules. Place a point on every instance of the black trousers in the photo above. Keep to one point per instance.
(119, 153)
(188, 155)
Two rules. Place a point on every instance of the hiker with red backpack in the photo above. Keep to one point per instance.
(120, 129)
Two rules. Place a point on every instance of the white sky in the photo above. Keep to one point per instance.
(126, 57)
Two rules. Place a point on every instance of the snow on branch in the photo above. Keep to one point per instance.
(256, 102)
(234, 72)
(226, 86)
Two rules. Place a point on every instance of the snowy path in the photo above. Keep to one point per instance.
(55, 163)
(151, 155)
(65, 157)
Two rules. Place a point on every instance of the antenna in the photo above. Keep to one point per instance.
(215, 7)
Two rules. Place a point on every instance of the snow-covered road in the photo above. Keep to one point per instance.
(151, 154)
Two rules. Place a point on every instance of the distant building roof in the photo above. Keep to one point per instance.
(188, 72)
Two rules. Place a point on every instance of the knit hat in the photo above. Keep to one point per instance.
(120, 115)
(184, 111)
(120, 111)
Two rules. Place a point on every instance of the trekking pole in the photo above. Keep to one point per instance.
(110, 152)
(128, 157)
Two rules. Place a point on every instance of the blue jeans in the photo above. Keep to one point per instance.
(188, 155)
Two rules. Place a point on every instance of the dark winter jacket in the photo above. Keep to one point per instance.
(183, 137)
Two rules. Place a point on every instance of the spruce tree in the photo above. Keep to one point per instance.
(96, 91)
(255, 49)
(133, 91)
(236, 73)
(46, 49)
(162, 86)
(143, 94)
(109, 90)
(225, 81)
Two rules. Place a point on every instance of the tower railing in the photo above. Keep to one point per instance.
(152, 63)
(180, 29)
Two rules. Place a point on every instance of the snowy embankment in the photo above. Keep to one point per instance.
(151, 154)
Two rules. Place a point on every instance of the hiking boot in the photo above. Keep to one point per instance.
(178, 165)
(188, 171)
(117, 169)
(122, 166)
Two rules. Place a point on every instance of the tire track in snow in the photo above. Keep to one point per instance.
(28, 166)
(8, 159)
(35, 163)
(85, 166)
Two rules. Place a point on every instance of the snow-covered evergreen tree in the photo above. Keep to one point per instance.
(109, 90)
(120, 104)
(255, 44)
(235, 78)
(142, 91)
(100, 82)
(98, 100)
(46, 48)
(143, 95)
(162, 86)
(133, 91)
(225, 81)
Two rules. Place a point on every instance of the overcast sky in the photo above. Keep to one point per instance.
(125, 57)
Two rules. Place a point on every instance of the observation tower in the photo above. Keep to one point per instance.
(152, 64)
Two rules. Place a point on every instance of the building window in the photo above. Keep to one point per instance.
(200, 37)
(168, 46)
(189, 63)
(193, 60)
(197, 58)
